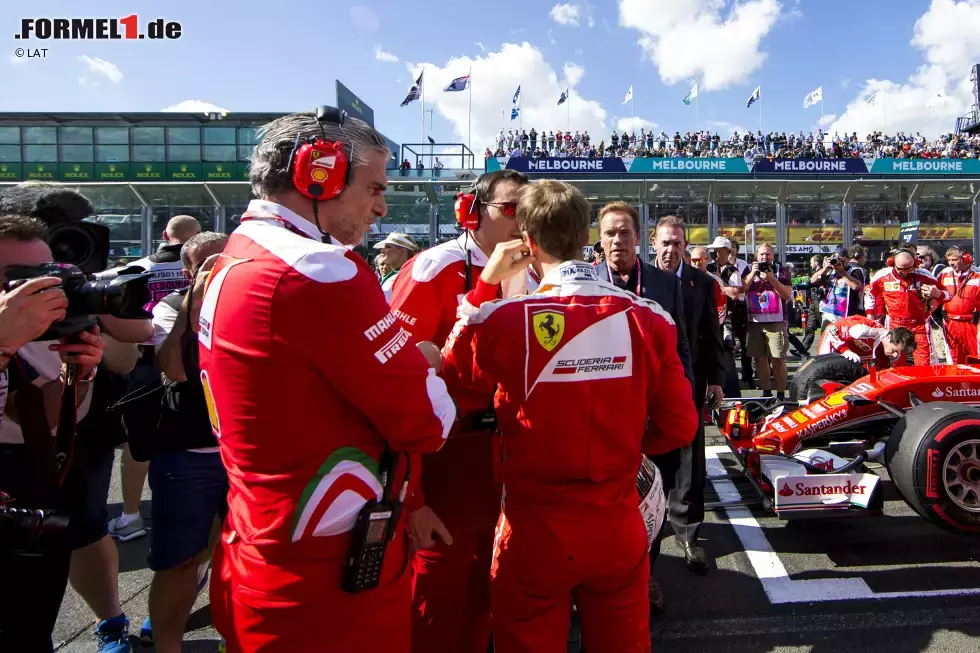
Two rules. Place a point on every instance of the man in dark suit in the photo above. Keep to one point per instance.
(619, 229)
(684, 470)
(619, 233)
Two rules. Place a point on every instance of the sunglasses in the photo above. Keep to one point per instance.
(507, 208)
(697, 260)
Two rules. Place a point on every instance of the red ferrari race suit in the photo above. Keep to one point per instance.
(309, 378)
(585, 378)
(961, 309)
(902, 303)
(857, 334)
(451, 592)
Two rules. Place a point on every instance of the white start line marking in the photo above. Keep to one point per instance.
(779, 587)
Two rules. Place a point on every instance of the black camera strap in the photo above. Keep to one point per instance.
(67, 423)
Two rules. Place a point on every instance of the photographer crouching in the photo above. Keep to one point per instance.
(46, 484)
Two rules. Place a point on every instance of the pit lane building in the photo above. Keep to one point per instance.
(139, 169)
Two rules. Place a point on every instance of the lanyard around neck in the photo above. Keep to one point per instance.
(639, 276)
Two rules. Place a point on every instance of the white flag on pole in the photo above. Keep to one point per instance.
(813, 97)
(873, 99)
(629, 95)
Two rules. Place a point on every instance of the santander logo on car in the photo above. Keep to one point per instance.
(949, 391)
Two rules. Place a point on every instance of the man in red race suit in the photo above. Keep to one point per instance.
(585, 378)
(962, 281)
(462, 501)
(309, 380)
(858, 337)
(907, 295)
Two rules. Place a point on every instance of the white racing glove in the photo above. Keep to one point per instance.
(851, 356)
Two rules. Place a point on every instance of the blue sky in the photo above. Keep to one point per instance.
(283, 56)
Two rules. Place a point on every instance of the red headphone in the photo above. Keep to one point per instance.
(967, 258)
(467, 211)
(320, 168)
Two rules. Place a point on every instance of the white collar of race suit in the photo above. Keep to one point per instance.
(467, 243)
(569, 271)
(265, 209)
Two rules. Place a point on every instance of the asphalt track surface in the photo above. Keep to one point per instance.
(889, 584)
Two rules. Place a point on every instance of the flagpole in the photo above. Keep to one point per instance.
(422, 111)
(568, 111)
(760, 109)
(469, 119)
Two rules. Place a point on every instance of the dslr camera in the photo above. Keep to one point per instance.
(765, 266)
(124, 296)
(835, 261)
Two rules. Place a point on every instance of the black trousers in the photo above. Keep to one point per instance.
(684, 473)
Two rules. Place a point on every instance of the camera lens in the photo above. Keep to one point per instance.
(81, 244)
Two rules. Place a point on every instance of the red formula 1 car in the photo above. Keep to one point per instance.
(807, 457)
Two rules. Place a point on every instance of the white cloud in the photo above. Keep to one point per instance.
(845, 82)
(495, 77)
(690, 39)
(727, 128)
(634, 124)
(565, 14)
(364, 18)
(826, 120)
(551, 37)
(194, 106)
(102, 67)
(381, 55)
(480, 45)
(16, 61)
(84, 82)
(947, 35)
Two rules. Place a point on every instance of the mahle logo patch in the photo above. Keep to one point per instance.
(549, 328)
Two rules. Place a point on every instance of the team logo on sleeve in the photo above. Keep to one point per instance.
(333, 497)
(549, 328)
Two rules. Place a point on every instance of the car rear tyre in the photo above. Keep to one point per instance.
(933, 456)
(805, 385)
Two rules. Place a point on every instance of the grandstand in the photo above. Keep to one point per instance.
(140, 169)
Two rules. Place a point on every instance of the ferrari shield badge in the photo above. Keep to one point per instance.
(549, 327)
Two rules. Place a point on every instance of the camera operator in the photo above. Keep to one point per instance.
(187, 477)
(844, 278)
(71, 240)
(767, 286)
(35, 584)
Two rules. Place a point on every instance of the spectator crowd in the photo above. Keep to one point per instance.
(708, 144)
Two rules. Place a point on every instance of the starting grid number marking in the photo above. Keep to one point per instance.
(768, 568)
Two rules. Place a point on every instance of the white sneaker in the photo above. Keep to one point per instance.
(128, 530)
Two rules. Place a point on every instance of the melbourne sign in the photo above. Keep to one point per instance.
(811, 166)
(926, 167)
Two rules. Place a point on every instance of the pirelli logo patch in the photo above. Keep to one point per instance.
(589, 365)
(393, 346)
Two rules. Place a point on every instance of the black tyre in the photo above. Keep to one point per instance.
(805, 384)
(933, 456)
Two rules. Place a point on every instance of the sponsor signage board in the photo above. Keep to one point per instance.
(353, 105)
(112, 172)
(926, 167)
(811, 166)
(76, 172)
(10, 171)
(41, 171)
(824, 491)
